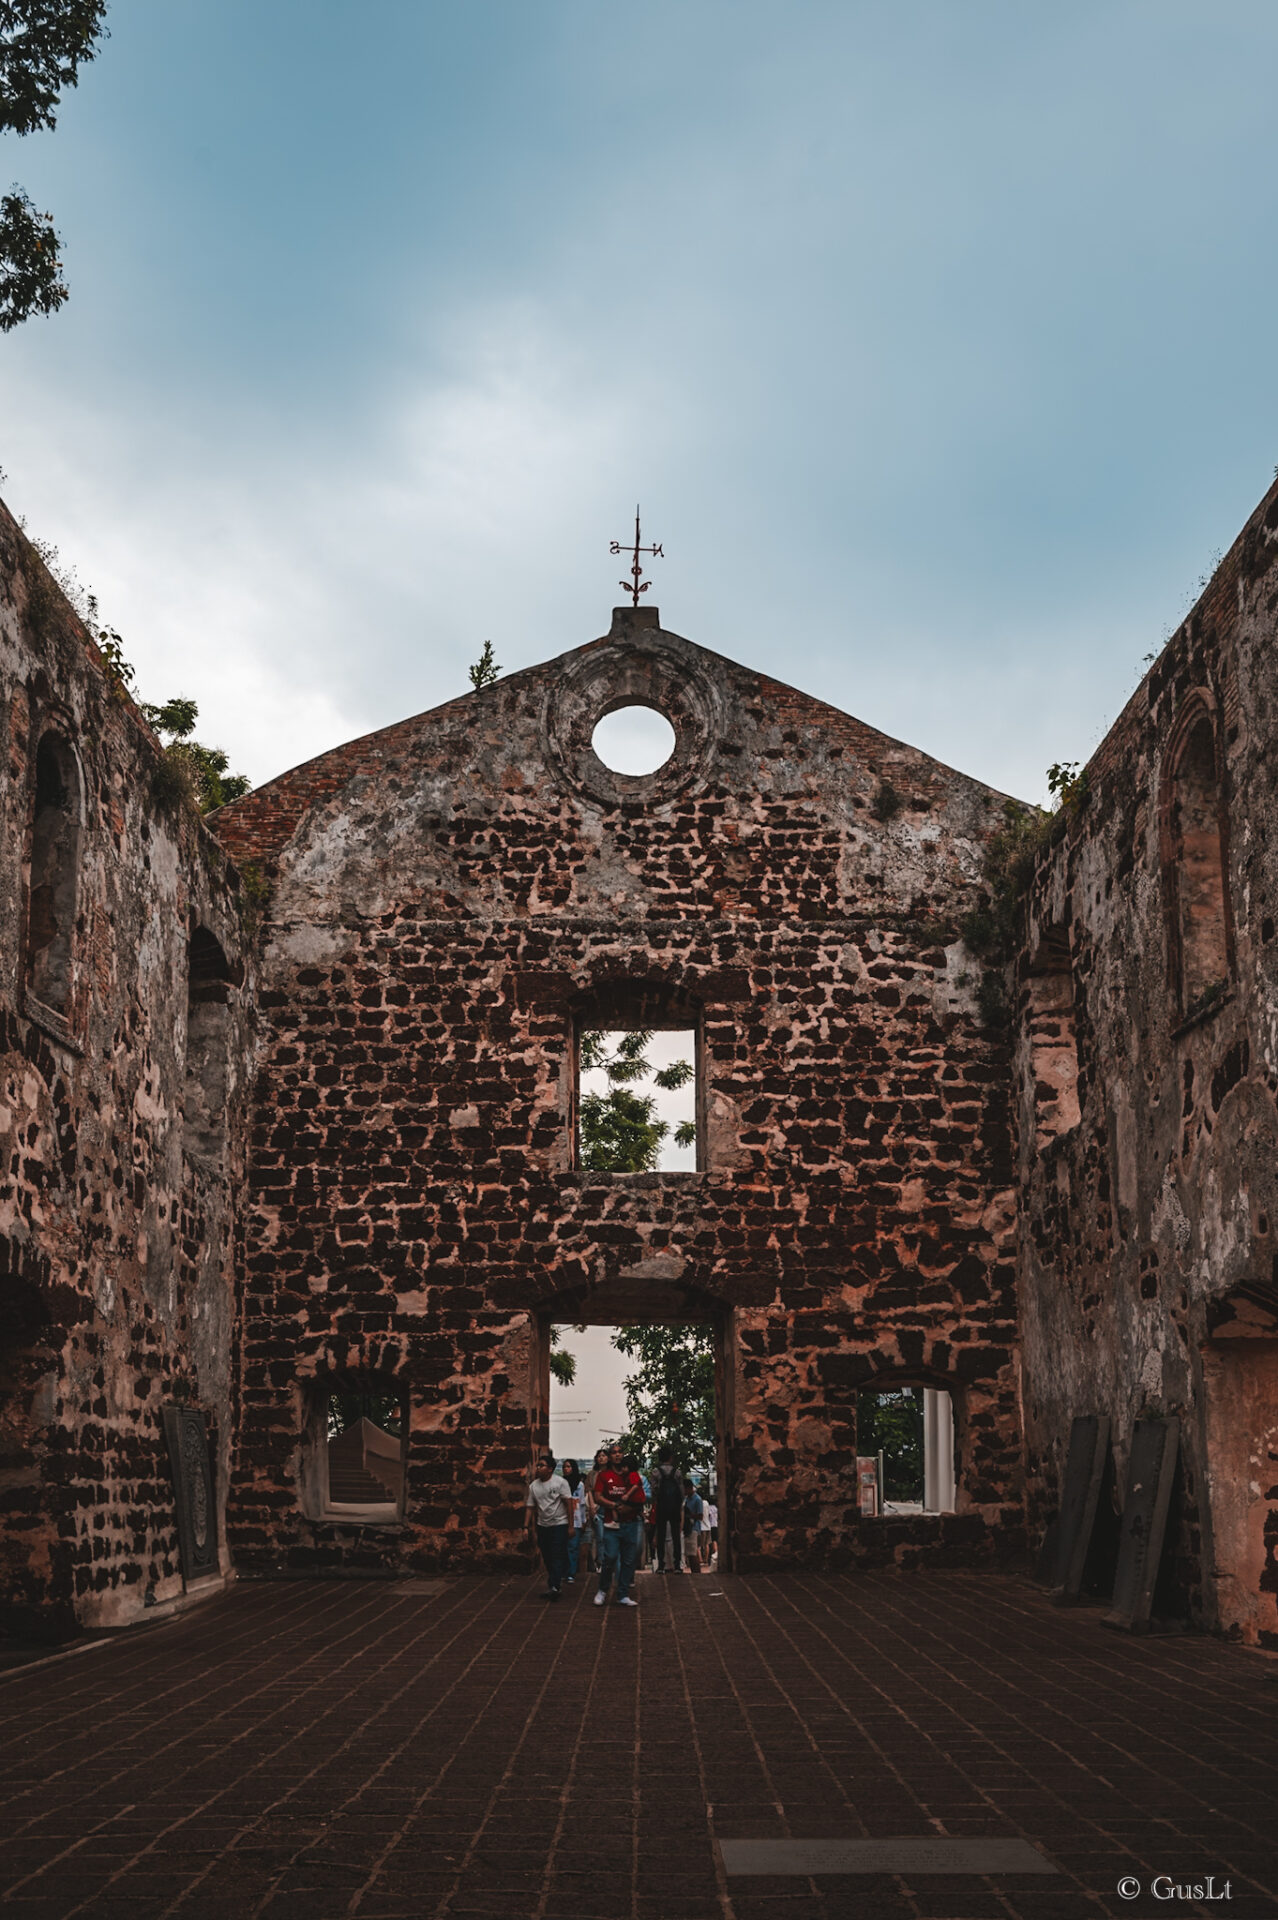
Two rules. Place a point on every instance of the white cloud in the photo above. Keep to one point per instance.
(306, 591)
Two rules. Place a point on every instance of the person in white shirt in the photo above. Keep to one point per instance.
(577, 1527)
(548, 1512)
(709, 1532)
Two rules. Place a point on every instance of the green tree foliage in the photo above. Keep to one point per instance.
(891, 1423)
(992, 929)
(383, 1409)
(563, 1365)
(621, 1131)
(197, 771)
(485, 670)
(43, 45)
(670, 1394)
(30, 263)
(1068, 784)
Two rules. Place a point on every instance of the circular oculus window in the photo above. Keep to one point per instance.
(632, 722)
(634, 740)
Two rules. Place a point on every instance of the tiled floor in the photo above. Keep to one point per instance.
(354, 1749)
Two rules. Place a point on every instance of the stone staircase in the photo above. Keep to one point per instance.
(355, 1486)
(365, 1467)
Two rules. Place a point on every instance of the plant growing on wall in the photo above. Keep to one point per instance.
(992, 930)
(189, 772)
(485, 671)
(1068, 784)
(193, 770)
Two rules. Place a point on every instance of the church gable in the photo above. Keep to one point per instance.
(771, 803)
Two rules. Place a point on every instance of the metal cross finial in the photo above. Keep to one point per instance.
(634, 586)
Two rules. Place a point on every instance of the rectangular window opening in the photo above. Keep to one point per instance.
(364, 1428)
(905, 1451)
(638, 1109)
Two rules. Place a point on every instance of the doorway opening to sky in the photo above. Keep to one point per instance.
(648, 1385)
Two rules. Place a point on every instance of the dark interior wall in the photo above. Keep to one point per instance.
(1150, 1208)
(116, 1255)
(452, 900)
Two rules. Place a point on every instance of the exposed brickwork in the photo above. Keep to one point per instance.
(116, 1252)
(388, 1073)
(451, 901)
(1150, 1227)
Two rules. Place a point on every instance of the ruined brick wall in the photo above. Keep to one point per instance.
(116, 1246)
(452, 899)
(1146, 1075)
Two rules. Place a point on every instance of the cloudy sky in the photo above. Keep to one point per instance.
(937, 341)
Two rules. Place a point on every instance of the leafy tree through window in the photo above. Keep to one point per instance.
(637, 1114)
(670, 1395)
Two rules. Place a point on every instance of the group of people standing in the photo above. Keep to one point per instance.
(613, 1516)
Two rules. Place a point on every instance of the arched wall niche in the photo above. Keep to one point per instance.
(210, 979)
(57, 832)
(1195, 837)
(1240, 1448)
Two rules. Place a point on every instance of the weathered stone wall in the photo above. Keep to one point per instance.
(453, 899)
(1147, 1067)
(116, 1248)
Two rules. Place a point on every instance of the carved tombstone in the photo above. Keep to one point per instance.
(1150, 1472)
(186, 1431)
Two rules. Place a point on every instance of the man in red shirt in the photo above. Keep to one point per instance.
(620, 1498)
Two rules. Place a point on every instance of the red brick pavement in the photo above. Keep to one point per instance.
(352, 1749)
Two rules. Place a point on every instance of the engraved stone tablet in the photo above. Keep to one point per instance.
(1084, 1472)
(1150, 1473)
(186, 1431)
(908, 1854)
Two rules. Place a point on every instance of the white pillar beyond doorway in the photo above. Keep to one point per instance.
(938, 1451)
